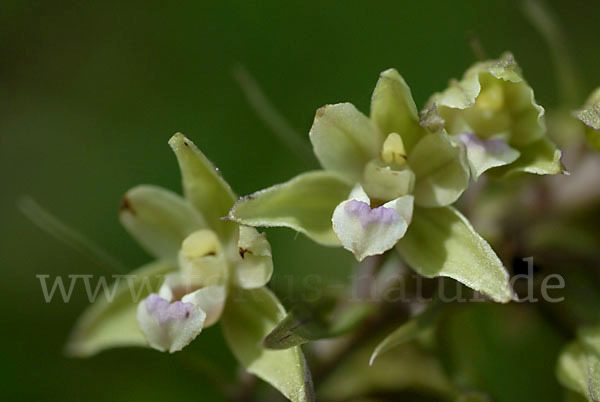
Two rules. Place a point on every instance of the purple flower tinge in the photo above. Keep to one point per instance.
(167, 312)
(366, 215)
(495, 146)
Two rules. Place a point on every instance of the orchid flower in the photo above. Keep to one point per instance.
(209, 269)
(388, 182)
(493, 111)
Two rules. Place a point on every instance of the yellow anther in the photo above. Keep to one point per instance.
(393, 151)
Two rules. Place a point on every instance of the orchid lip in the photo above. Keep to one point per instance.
(167, 312)
(367, 216)
(493, 145)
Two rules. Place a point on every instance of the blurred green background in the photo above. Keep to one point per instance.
(90, 92)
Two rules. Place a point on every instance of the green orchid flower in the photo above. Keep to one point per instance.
(388, 181)
(589, 115)
(493, 111)
(208, 269)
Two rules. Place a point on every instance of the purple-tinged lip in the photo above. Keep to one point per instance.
(493, 145)
(367, 216)
(167, 312)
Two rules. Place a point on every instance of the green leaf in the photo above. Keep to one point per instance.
(344, 139)
(442, 242)
(589, 115)
(249, 316)
(593, 361)
(308, 322)
(203, 185)
(590, 339)
(408, 331)
(158, 219)
(393, 109)
(572, 369)
(441, 170)
(107, 324)
(305, 203)
(541, 157)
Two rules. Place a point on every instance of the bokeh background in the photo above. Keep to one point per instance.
(90, 92)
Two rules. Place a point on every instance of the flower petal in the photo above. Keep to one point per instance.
(359, 194)
(441, 170)
(486, 154)
(393, 109)
(365, 231)
(211, 300)
(305, 203)
(173, 317)
(111, 322)
(169, 326)
(541, 157)
(255, 266)
(158, 219)
(344, 139)
(442, 242)
(203, 185)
